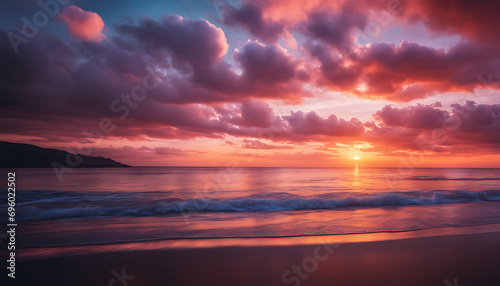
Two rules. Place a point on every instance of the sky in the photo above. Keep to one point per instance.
(373, 83)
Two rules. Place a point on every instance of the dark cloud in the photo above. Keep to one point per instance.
(197, 42)
(334, 71)
(473, 19)
(269, 64)
(250, 17)
(336, 28)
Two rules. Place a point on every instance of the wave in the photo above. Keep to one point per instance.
(273, 202)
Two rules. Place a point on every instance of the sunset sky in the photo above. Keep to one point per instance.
(256, 83)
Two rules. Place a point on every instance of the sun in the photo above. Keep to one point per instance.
(356, 157)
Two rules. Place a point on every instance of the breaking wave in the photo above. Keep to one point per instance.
(113, 205)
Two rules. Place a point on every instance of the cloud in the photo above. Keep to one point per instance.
(269, 64)
(419, 116)
(190, 55)
(407, 71)
(256, 144)
(334, 72)
(411, 70)
(474, 123)
(82, 24)
(380, 70)
(169, 151)
(49, 75)
(52, 90)
(250, 17)
(476, 20)
(254, 113)
(191, 51)
(469, 127)
(312, 124)
(335, 28)
(143, 154)
(197, 42)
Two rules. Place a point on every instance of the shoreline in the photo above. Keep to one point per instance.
(214, 242)
(431, 260)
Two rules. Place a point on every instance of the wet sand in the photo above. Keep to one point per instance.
(474, 259)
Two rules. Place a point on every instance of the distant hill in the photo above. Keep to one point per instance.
(17, 155)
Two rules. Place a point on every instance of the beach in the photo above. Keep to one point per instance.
(471, 259)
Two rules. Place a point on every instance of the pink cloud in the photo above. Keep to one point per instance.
(407, 71)
(256, 144)
(420, 116)
(470, 127)
(82, 24)
(169, 151)
(312, 124)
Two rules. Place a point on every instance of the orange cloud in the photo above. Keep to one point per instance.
(82, 24)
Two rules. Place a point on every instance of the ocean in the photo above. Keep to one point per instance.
(106, 206)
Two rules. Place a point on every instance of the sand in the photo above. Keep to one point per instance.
(469, 259)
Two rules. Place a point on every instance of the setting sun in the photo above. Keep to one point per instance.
(356, 157)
